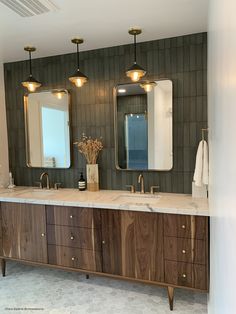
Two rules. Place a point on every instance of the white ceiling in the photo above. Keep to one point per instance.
(102, 23)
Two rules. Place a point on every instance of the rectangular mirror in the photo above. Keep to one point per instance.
(47, 129)
(143, 126)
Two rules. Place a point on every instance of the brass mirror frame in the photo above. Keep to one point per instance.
(26, 95)
(116, 127)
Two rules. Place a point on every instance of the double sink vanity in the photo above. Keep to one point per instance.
(159, 238)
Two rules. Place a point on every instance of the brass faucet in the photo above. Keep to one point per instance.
(141, 182)
(47, 178)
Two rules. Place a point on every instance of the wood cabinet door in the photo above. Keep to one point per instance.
(133, 244)
(24, 231)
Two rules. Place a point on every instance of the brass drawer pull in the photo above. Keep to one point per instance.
(183, 227)
(72, 237)
(184, 251)
(43, 234)
(184, 276)
(73, 258)
(71, 216)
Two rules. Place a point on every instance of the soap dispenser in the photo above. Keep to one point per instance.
(81, 182)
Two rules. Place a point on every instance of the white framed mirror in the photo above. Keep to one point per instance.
(47, 129)
(144, 126)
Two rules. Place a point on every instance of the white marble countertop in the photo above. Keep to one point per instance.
(112, 199)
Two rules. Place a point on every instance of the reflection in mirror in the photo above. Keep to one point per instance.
(143, 126)
(47, 129)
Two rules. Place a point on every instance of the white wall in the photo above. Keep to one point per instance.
(222, 137)
(4, 167)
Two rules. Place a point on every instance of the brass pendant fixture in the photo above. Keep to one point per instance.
(31, 83)
(78, 78)
(148, 86)
(135, 72)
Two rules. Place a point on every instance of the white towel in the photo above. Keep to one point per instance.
(201, 173)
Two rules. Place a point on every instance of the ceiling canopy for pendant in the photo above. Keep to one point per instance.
(78, 78)
(135, 72)
(31, 83)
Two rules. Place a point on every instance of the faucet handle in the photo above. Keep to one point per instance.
(132, 188)
(153, 187)
(39, 184)
(56, 185)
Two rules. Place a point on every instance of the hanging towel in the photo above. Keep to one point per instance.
(201, 173)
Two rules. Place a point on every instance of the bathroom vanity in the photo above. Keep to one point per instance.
(158, 239)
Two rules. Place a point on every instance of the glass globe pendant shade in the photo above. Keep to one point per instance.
(31, 84)
(135, 72)
(79, 79)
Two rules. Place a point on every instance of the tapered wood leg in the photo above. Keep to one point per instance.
(87, 276)
(3, 267)
(171, 297)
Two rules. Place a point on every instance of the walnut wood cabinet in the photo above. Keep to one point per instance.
(24, 232)
(165, 249)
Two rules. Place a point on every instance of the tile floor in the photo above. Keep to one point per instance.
(27, 289)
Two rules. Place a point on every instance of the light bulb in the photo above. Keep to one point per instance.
(79, 82)
(135, 73)
(31, 87)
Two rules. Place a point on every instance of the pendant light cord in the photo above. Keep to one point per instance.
(135, 52)
(30, 64)
(78, 56)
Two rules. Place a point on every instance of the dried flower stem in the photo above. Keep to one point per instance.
(90, 148)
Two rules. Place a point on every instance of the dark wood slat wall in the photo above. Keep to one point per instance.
(182, 59)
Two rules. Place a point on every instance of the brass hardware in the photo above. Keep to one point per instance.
(153, 187)
(141, 182)
(132, 188)
(43, 234)
(29, 49)
(72, 237)
(47, 178)
(135, 31)
(73, 258)
(183, 251)
(183, 227)
(71, 216)
(103, 242)
(184, 276)
(77, 41)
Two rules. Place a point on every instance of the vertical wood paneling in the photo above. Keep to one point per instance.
(182, 59)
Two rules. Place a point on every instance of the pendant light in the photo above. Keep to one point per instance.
(135, 72)
(78, 78)
(148, 86)
(31, 83)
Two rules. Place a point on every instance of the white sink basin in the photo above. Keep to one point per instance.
(138, 199)
(39, 192)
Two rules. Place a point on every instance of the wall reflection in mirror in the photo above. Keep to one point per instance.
(47, 129)
(143, 126)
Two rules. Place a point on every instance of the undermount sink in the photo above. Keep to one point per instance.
(40, 192)
(138, 199)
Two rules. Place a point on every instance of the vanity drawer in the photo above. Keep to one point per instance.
(73, 216)
(83, 238)
(185, 226)
(73, 257)
(186, 274)
(185, 250)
